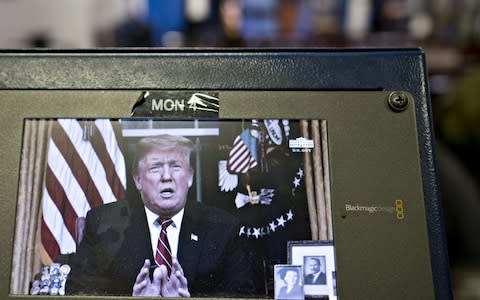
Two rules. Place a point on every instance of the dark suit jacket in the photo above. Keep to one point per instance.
(117, 242)
(321, 279)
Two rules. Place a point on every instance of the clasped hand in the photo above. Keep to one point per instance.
(161, 284)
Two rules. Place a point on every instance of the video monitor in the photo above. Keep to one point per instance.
(271, 175)
(136, 177)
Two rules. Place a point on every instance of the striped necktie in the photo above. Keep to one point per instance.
(163, 255)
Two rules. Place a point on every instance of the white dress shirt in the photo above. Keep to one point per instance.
(173, 231)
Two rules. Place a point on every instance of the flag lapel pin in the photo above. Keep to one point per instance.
(194, 237)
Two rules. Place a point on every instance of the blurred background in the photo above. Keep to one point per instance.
(447, 30)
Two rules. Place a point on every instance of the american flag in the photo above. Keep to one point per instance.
(243, 155)
(85, 168)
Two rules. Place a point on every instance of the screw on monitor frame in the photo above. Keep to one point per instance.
(398, 101)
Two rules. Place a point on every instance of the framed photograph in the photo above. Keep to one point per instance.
(318, 261)
(289, 282)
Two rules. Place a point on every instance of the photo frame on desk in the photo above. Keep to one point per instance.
(318, 261)
(289, 282)
(377, 127)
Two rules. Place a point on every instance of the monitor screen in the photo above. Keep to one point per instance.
(270, 177)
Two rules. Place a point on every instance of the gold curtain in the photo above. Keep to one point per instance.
(26, 258)
(317, 180)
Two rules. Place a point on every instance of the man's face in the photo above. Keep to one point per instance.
(313, 266)
(163, 180)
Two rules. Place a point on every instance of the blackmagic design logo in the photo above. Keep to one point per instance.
(177, 104)
(398, 209)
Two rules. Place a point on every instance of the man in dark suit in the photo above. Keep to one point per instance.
(122, 252)
(314, 272)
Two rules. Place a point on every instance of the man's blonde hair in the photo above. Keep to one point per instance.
(162, 142)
